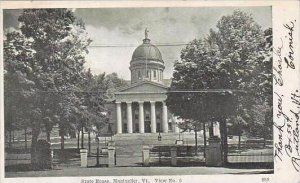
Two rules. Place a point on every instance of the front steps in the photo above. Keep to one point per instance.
(132, 144)
(129, 147)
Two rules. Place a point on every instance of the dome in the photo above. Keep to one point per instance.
(147, 51)
(146, 63)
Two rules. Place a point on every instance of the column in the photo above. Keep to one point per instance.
(164, 117)
(129, 117)
(119, 118)
(141, 117)
(153, 117)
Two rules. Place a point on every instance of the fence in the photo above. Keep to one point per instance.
(17, 159)
(182, 155)
(251, 158)
(98, 159)
(251, 151)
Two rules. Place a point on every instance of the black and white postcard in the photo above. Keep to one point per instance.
(150, 91)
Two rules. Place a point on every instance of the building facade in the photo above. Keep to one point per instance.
(141, 107)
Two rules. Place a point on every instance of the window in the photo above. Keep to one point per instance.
(158, 128)
(136, 114)
(169, 126)
(147, 115)
(125, 128)
(148, 73)
(154, 74)
(139, 75)
(124, 116)
(136, 127)
(157, 116)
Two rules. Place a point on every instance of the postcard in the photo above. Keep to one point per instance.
(150, 91)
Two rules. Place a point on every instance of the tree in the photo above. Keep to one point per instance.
(16, 54)
(237, 124)
(92, 103)
(95, 90)
(261, 123)
(225, 66)
(189, 125)
(112, 82)
(49, 57)
(196, 71)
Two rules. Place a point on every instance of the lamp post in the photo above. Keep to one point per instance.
(98, 148)
(159, 137)
(110, 130)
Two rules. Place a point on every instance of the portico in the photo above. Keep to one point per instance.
(142, 117)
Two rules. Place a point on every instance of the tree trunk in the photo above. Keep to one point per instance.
(78, 139)
(9, 143)
(222, 139)
(196, 143)
(62, 139)
(204, 137)
(34, 139)
(48, 136)
(82, 136)
(264, 136)
(25, 133)
(211, 129)
(13, 136)
(265, 131)
(89, 142)
(240, 133)
(239, 145)
(225, 145)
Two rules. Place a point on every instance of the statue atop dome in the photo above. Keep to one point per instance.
(146, 40)
(146, 33)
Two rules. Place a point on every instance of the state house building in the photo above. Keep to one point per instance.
(140, 107)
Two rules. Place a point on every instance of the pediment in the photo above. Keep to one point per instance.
(144, 87)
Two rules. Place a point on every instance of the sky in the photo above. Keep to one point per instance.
(124, 28)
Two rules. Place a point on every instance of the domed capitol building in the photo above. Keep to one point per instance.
(141, 107)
